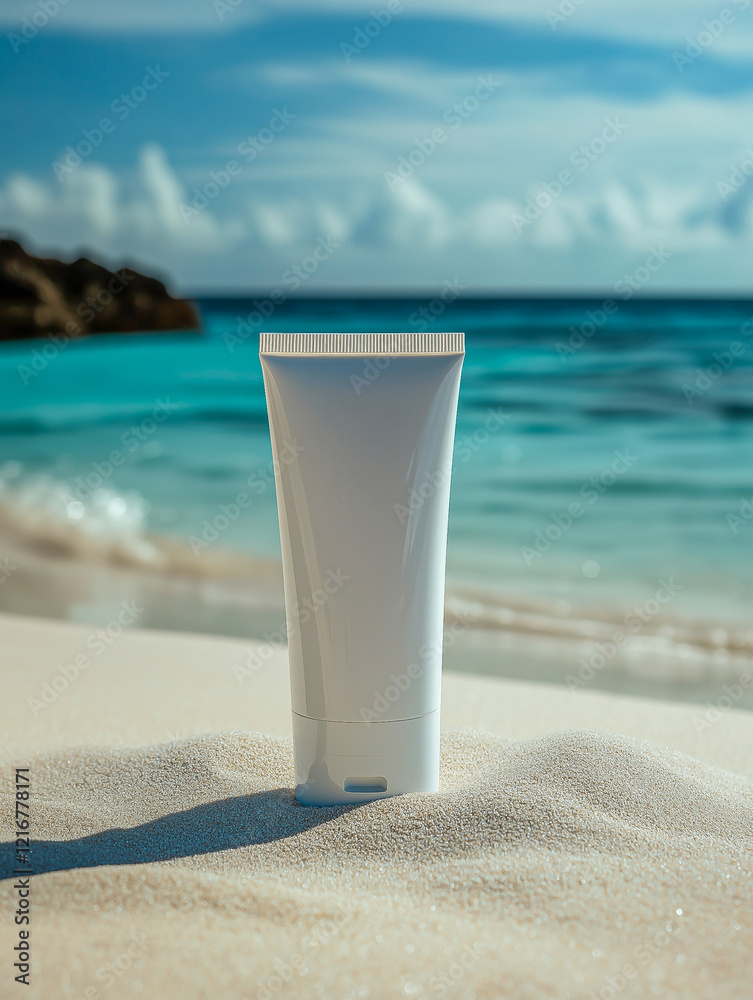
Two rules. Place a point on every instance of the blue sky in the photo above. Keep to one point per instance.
(299, 130)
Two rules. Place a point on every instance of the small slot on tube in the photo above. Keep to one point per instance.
(367, 785)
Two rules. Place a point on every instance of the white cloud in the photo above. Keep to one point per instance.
(25, 197)
(487, 224)
(666, 23)
(92, 203)
(434, 219)
(414, 216)
(91, 195)
(116, 215)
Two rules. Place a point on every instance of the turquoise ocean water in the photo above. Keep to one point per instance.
(603, 466)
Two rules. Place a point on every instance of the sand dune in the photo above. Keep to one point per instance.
(573, 863)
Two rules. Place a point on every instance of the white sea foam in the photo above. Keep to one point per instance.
(105, 526)
(47, 515)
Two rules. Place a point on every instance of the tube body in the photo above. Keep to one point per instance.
(362, 429)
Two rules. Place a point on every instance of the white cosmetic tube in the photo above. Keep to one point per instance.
(362, 429)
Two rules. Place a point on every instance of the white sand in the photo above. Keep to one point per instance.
(582, 844)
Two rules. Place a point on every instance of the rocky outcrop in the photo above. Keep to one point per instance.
(41, 296)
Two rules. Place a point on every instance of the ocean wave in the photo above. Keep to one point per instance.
(51, 418)
(42, 515)
(46, 515)
(630, 633)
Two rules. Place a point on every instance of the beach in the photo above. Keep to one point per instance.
(172, 860)
(598, 517)
(444, 310)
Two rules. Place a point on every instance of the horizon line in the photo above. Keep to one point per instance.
(483, 295)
